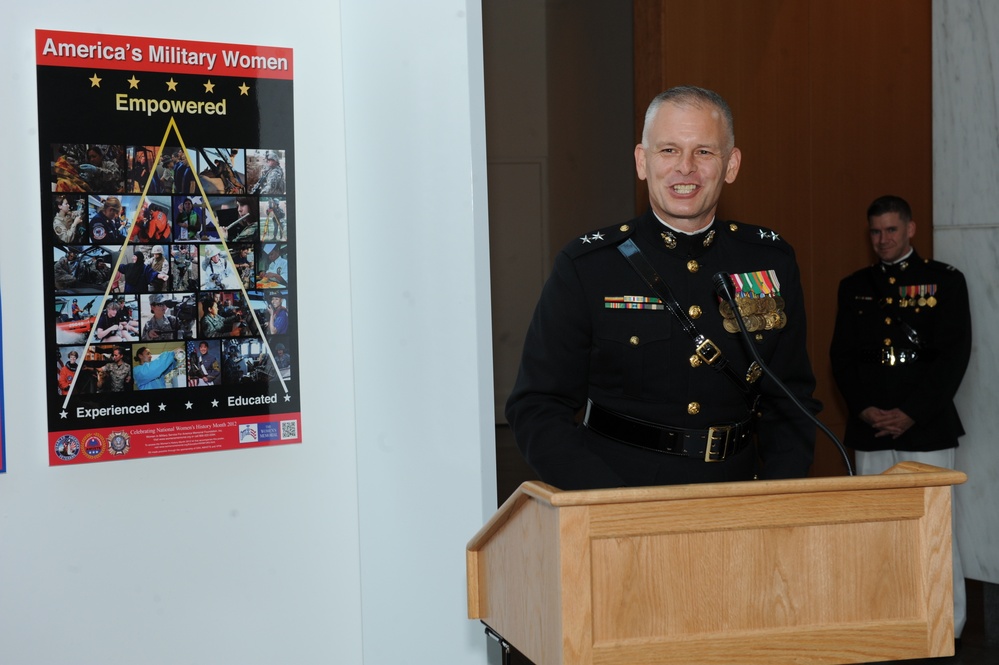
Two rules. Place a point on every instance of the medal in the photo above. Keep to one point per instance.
(632, 302)
(758, 301)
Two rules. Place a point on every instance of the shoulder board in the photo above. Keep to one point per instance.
(610, 236)
(758, 235)
(940, 265)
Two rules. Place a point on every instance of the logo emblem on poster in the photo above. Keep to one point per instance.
(93, 445)
(248, 433)
(67, 447)
(118, 443)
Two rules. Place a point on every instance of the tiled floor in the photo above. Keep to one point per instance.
(975, 649)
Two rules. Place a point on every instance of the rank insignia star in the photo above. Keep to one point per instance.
(597, 236)
(586, 240)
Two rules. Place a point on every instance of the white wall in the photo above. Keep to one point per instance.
(966, 234)
(420, 281)
(345, 549)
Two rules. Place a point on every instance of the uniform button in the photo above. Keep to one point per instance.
(733, 227)
(891, 280)
(693, 408)
(759, 337)
(694, 311)
(624, 227)
(887, 341)
(693, 266)
(888, 320)
(695, 360)
(634, 340)
(889, 300)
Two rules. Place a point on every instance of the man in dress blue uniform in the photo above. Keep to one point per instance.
(623, 385)
(900, 348)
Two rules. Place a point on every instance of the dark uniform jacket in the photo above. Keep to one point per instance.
(903, 340)
(584, 344)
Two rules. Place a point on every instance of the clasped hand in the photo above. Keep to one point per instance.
(887, 422)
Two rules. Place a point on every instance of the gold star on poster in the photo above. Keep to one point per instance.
(133, 83)
(244, 89)
(171, 84)
(209, 87)
(95, 81)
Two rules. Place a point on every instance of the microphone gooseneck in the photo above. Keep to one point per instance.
(722, 288)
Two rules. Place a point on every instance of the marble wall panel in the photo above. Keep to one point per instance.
(966, 221)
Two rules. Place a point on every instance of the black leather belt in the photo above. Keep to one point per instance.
(894, 356)
(714, 444)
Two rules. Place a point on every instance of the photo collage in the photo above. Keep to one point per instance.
(170, 267)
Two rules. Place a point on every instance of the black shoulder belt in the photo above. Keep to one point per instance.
(704, 348)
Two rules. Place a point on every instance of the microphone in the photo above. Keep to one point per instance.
(722, 288)
(721, 282)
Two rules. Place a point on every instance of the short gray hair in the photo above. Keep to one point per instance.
(689, 95)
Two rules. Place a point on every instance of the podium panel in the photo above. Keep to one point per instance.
(811, 571)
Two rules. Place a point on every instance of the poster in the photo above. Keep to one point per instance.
(168, 231)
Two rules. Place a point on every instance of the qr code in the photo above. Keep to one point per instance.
(289, 429)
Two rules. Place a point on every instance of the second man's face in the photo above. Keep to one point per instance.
(686, 163)
(890, 236)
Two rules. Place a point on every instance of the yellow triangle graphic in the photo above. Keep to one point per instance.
(211, 217)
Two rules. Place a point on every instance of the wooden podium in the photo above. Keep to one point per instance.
(796, 572)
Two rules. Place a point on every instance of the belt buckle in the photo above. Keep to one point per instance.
(720, 433)
(707, 351)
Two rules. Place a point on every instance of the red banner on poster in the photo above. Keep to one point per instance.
(174, 438)
(148, 54)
